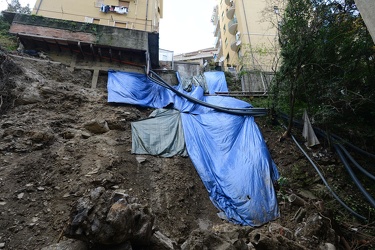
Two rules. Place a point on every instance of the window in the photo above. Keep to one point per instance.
(123, 3)
(222, 16)
(120, 24)
(226, 42)
(99, 3)
(224, 28)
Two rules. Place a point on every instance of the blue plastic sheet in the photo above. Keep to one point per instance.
(216, 82)
(234, 164)
(228, 151)
(137, 89)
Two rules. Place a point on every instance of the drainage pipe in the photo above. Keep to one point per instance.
(146, 15)
(37, 9)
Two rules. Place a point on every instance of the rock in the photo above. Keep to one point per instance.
(96, 126)
(40, 136)
(316, 226)
(110, 218)
(67, 245)
(29, 96)
(85, 135)
(203, 239)
(20, 195)
(268, 241)
(232, 232)
(327, 246)
(140, 159)
(2, 245)
(68, 134)
(123, 246)
(283, 231)
(161, 242)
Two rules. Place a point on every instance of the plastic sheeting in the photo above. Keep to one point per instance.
(228, 151)
(137, 89)
(160, 134)
(234, 164)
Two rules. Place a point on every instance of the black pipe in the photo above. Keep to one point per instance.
(352, 175)
(364, 171)
(234, 111)
(321, 132)
(326, 184)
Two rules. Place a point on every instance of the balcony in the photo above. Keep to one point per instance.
(230, 12)
(232, 26)
(229, 2)
(235, 45)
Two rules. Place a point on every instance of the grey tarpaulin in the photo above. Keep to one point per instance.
(160, 134)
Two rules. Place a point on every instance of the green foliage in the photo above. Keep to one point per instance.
(328, 62)
(7, 41)
(15, 6)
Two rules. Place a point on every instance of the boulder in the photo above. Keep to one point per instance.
(110, 218)
(67, 245)
(97, 126)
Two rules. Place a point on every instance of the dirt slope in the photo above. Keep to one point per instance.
(59, 139)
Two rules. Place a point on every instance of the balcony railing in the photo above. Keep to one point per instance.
(232, 26)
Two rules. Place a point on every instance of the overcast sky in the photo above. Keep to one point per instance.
(185, 27)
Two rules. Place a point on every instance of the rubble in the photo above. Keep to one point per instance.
(110, 218)
(67, 171)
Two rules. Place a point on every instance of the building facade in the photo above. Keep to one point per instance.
(141, 15)
(203, 56)
(246, 34)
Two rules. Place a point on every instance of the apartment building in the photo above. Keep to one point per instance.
(95, 35)
(246, 34)
(141, 15)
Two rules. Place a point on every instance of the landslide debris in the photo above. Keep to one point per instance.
(68, 179)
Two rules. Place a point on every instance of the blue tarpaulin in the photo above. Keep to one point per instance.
(228, 151)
